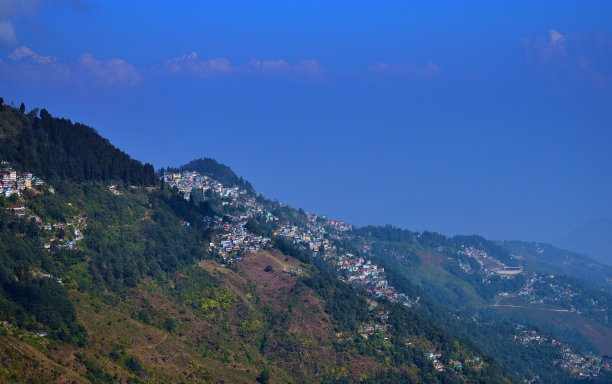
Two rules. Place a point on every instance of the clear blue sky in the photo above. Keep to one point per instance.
(489, 117)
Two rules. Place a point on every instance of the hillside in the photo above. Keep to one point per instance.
(220, 172)
(422, 271)
(56, 149)
(549, 259)
(106, 277)
(593, 239)
(479, 279)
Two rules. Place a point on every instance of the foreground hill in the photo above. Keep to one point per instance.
(105, 277)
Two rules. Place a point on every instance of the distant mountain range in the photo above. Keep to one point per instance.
(593, 239)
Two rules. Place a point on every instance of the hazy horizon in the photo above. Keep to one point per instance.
(471, 118)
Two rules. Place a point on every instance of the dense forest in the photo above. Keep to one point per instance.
(57, 149)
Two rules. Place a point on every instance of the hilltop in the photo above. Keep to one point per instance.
(220, 172)
(56, 149)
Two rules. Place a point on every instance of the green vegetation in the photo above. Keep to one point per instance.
(57, 149)
(141, 297)
(426, 265)
(545, 258)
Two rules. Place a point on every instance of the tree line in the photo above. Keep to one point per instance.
(56, 149)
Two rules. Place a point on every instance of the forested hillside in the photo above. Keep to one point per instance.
(57, 149)
(547, 258)
(106, 277)
(495, 290)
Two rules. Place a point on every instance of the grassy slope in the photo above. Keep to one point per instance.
(221, 344)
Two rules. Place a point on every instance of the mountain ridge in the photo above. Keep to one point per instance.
(592, 238)
(139, 294)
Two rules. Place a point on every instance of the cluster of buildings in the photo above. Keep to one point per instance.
(235, 240)
(435, 359)
(455, 364)
(543, 289)
(355, 270)
(582, 365)
(527, 337)
(488, 263)
(72, 233)
(14, 183)
(315, 233)
(191, 183)
(369, 278)
(378, 325)
(20, 211)
(546, 289)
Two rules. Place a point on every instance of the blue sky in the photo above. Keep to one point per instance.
(488, 117)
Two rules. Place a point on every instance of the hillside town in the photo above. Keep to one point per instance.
(323, 237)
(544, 289)
(233, 241)
(192, 184)
(369, 279)
(14, 183)
(581, 365)
(56, 234)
